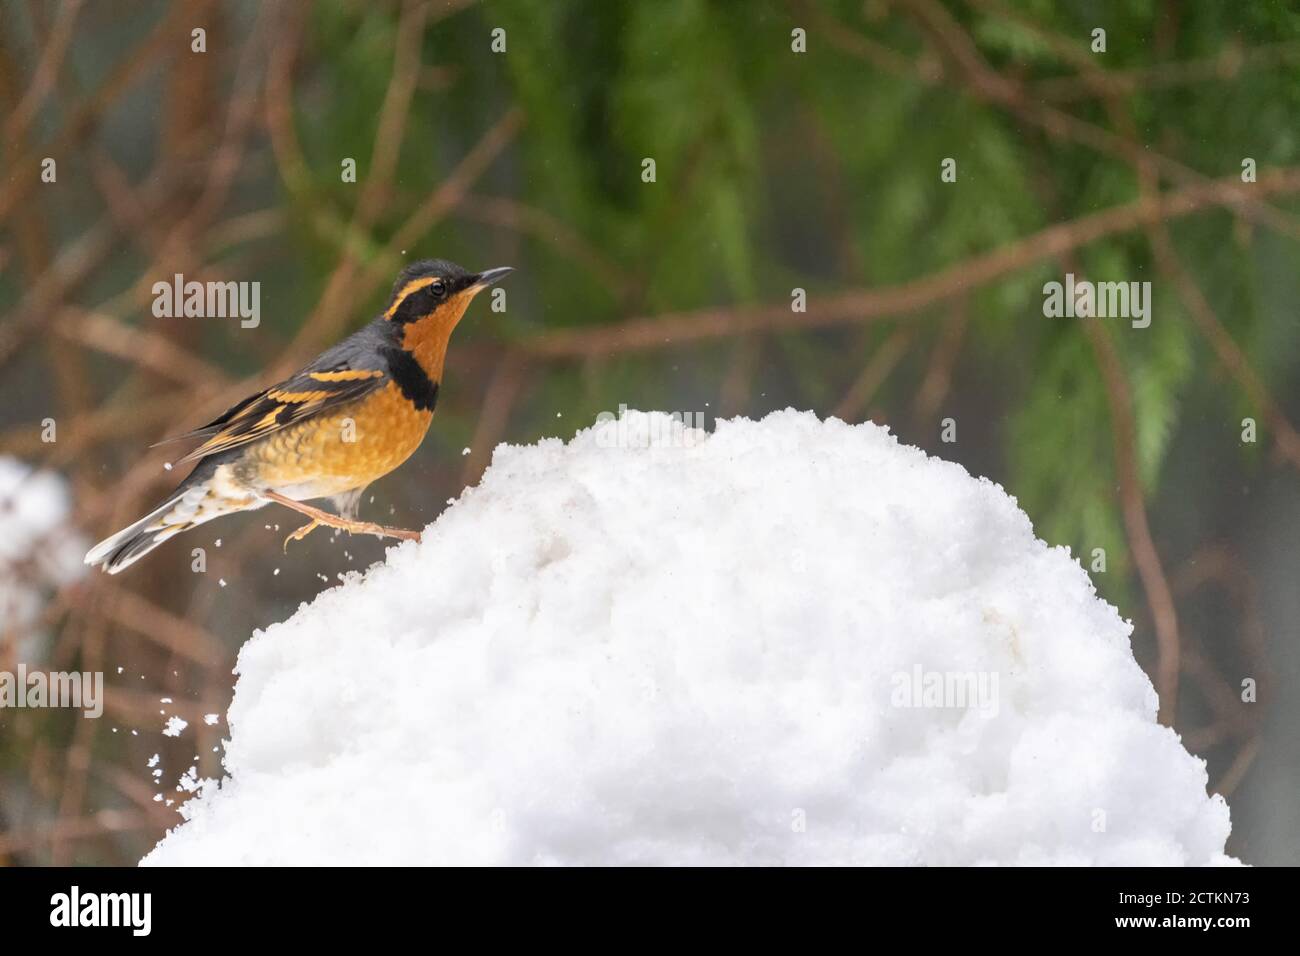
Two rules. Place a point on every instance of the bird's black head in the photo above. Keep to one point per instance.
(425, 287)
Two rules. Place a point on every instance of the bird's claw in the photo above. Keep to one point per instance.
(301, 533)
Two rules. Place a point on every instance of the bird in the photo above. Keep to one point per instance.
(326, 432)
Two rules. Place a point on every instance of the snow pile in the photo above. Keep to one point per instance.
(38, 552)
(789, 641)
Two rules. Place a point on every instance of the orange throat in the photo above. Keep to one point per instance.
(426, 338)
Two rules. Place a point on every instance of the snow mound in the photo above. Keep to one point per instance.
(788, 641)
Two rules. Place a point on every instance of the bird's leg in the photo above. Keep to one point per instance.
(301, 533)
(350, 525)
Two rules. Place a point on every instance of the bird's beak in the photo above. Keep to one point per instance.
(489, 276)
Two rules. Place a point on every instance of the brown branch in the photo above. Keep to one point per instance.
(47, 71)
(393, 114)
(1230, 717)
(840, 37)
(336, 301)
(279, 101)
(88, 429)
(100, 824)
(1160, 599)
(240, 114)
(1227, 64)
(79, 754)
(873, 375)
(327, 319)
(141, 347)
(494, 416)
(1235, 773)
(518, 216)
(178, 635)
(862, 305)
(1230, 355)
(938, 374)
(1218, 566)
(738, 383)
(71, 268)
(131, 68)
(989, 85)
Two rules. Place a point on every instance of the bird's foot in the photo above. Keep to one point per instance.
(350, 525)
(369, 527)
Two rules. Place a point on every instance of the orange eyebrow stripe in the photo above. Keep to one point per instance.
(347, 375)
(410, 287)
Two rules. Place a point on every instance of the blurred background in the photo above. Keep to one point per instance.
(796, 146)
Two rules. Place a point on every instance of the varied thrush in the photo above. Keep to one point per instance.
(348, 418)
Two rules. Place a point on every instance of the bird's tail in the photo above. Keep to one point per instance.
(192, 504)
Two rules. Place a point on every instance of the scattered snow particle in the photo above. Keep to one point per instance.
(211, 719)
(174, 726)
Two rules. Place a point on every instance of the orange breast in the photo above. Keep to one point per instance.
(345, 449)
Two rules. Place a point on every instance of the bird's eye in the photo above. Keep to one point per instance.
(439, 288)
